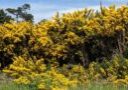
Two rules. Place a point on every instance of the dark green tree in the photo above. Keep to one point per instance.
(4, 17)
(21, 13)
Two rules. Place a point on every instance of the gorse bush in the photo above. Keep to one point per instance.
(21, 39)
(114, 71)
(67, 50)
(78, 38)
(36, 74)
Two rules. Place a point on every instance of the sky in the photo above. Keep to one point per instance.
(45, 9)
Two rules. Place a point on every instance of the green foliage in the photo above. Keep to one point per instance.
(13, 86)
(4, 17)
(114, 71)
(21, 13)
(102, 85)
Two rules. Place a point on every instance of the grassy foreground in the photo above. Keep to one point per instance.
(91, 87)
(7, 84)
(96, 86)
(100, 86)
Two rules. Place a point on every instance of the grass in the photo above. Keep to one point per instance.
(100, 86)
(7, 84)
(13, 86)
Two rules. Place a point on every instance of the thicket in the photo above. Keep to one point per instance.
(61, 51)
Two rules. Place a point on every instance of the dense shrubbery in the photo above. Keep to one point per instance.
(36, 74)
(79, 37)
(67, 50)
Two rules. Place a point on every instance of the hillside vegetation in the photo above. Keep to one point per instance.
(67, 51)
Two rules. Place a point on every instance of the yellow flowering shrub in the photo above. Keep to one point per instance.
(35, 72)
(24, 39)
(39, 54)
(114, 71)
(66, 36)
(76, 72)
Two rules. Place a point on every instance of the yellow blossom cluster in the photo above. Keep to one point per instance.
(29, 71)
